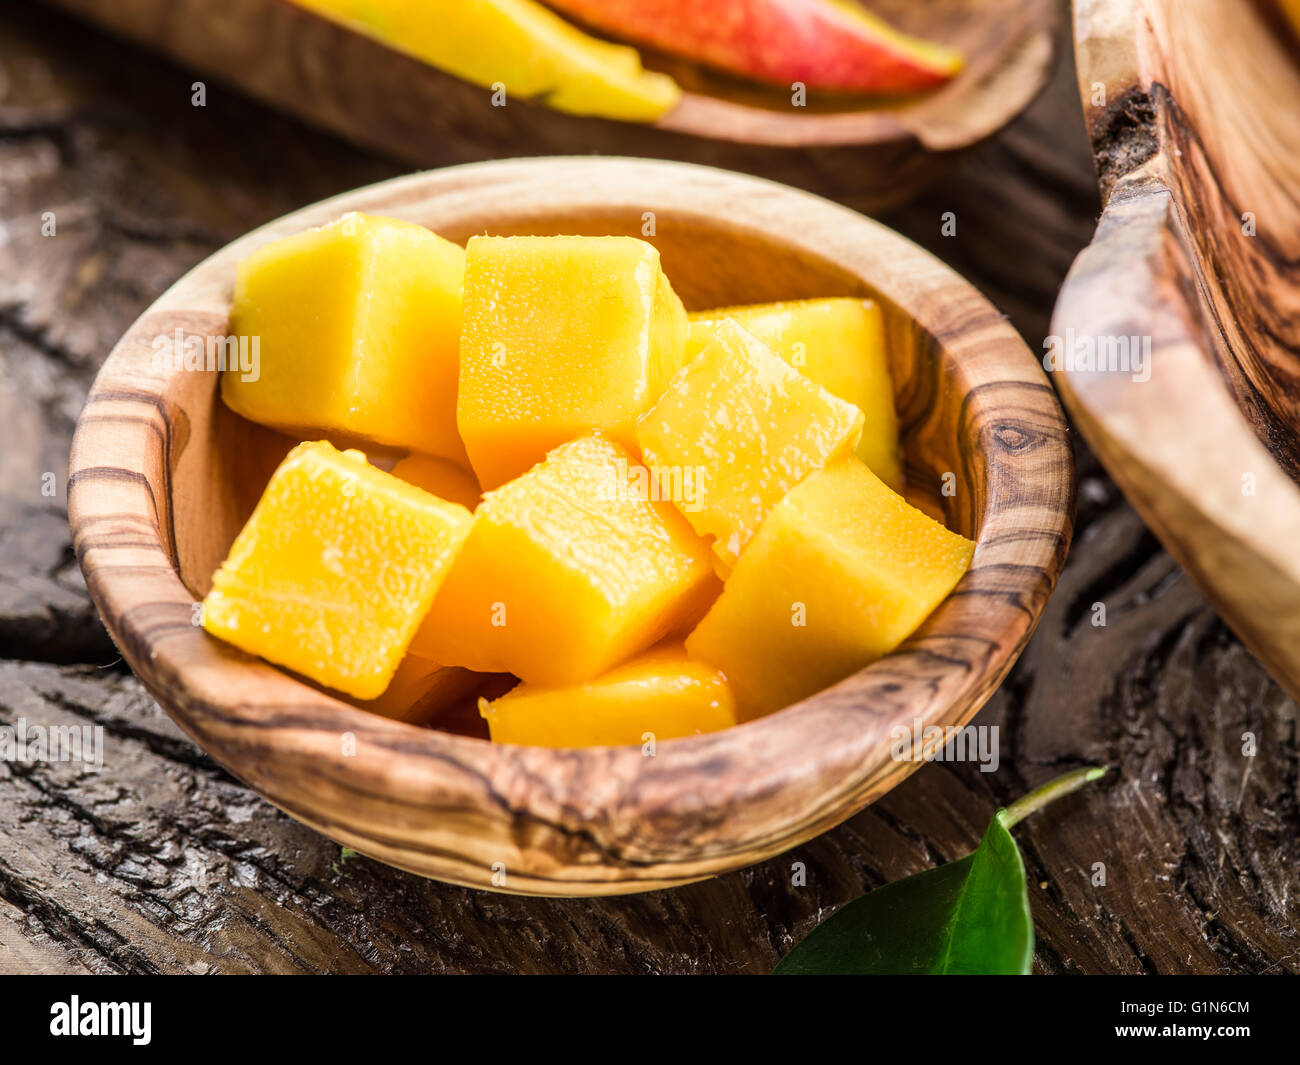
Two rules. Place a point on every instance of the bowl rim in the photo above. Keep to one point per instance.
(600, 820)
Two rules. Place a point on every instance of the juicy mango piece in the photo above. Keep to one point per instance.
(518, 44)
(567, 571)
(335, 568)
(840, 344)
(562, 335)
(843, 570)
(751, 425)
(420, 690)
(662, 692)
(358, 327)
(440, 478)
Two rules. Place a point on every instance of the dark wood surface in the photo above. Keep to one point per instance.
(160, 862)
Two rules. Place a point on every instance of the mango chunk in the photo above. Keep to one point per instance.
(751, 426)
(843, 570)
(440, 478)
(562, 335)
(520, 45)
(662, 692)
(358, 327)
(840, 344)
(420, 690)
(567, 571)
(334, 570)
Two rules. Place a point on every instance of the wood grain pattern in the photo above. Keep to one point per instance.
(154, 502)
(1198, 251)
(870, 153)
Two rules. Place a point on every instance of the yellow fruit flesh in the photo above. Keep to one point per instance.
(562, 335)
(518, 44)
(840, 344)
(421, 689)
(358, 332)
(842, 571)
(565, 573)
(662, 693)
(441, 478)
(752, 424)
(335, 568)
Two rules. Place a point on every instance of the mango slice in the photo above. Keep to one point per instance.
(751, 426)
(519, 45)
(567, 571)
(358, 327)
(842, 571)
(562, 335)
(440, 478)
(662, 692)
(335, 568)
(840, 344)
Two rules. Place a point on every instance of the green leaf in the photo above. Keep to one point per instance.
(969, 916)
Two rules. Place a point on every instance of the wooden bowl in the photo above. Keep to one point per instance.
(1191, 107)
(163, 476)
(869, 152)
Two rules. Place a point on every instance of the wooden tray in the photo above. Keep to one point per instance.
(870, 154)
(1192, 108)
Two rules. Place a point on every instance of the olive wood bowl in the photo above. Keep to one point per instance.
(1191, 108)
(163, 477)
(870, 152)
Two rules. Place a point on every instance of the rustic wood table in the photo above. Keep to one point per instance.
(1186, 859)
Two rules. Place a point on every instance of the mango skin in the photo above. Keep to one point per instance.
(563, 576)
(518, 44)
(828, 44)
(840, 344)
(359, 334)
(662, 692)
(562, 335)
(843, 570)
(752, 424)
(334, 569)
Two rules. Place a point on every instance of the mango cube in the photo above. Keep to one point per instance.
(357, 326)
(662, 692)
(840, 344)
(334, 570)
(562, 335)
(441, 478)
(567, 571)
(421, 690)
(752, 425)
(843, 570)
